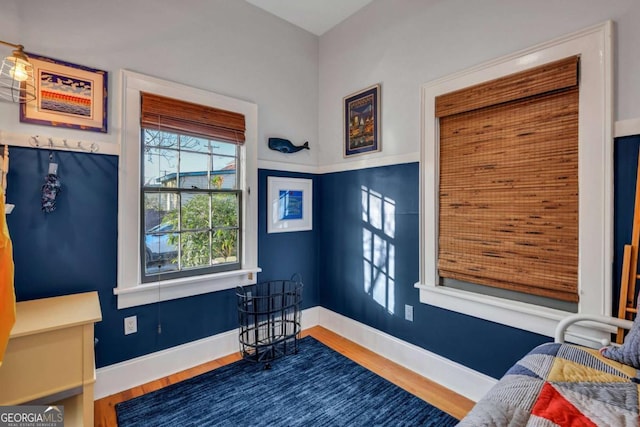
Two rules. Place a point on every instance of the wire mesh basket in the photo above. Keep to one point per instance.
(269, 317)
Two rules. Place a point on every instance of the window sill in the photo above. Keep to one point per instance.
(529, 317)
(149, 293)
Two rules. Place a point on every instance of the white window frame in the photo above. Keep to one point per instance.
(595, 180)
(130, 290)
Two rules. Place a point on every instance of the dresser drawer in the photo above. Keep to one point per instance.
(41, 365)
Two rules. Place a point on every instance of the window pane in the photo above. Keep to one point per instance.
(193, 170)
(159, 209)
(194, 211)
(223, 173)
(190, 229)
(161, 251)
(224, 148)
(160, 167)
(161, 242)
(195, 250)
(158, 139)
(193, 143)
(225, 246)
(224, 210)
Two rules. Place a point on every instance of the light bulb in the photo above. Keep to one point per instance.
(19, 72)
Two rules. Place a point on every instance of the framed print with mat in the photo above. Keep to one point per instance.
(67, 95)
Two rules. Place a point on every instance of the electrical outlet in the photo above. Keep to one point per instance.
(408, 312)
(130, 325)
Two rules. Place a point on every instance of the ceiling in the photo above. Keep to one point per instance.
(315, 16)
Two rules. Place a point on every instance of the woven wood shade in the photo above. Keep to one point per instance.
(545, 78)
(172, 115)
(509, 185)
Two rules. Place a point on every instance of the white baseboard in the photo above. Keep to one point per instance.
(134, 372)
(454, 376)
(131, 373)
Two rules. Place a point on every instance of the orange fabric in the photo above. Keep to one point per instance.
(552, 406)
(7, 292)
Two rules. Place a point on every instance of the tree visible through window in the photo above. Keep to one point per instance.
(191, 204)
(191, 197)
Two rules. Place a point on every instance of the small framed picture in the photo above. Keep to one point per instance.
(362, 122)
(67, 95)
(290, 204)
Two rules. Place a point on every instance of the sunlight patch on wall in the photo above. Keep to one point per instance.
(378, 249)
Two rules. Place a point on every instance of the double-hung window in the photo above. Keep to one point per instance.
(191, 202)
(187, 217)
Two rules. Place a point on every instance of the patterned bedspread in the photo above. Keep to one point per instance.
(561, 385)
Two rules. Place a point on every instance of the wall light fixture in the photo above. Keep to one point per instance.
(17, 83)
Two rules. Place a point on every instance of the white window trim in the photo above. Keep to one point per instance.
(595, 180)
(130, 290)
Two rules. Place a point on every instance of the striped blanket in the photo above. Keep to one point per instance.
(560, 385)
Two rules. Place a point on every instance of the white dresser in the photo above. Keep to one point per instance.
(50, 356)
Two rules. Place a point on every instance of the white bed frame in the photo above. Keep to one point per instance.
(594, 321)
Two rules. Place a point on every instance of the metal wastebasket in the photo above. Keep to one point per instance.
(269, 317)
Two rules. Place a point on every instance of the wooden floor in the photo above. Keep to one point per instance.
(448, 401)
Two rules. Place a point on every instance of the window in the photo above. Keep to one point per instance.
(190, 198)
(187, 167)
(594, 178)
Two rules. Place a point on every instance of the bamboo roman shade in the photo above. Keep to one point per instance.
(172, 115)
(508, 200)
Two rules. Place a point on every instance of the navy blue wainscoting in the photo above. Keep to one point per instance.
(370, 262)
(625, 152)
(361, 258)
(280, 255)
(74, 249)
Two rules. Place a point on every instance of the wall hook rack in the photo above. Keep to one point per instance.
(60, 143)
(92, 147)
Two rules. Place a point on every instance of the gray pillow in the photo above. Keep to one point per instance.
(629, 352)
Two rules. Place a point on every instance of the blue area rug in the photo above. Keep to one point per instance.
(316, 387)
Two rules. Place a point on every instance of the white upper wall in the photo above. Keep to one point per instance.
(228, 47)
(298, 82)
(405, 43)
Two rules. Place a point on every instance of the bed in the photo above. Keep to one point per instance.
(561, 384)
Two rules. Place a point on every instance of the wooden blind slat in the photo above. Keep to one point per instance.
(509, 195)
(552, 278)
(159, 112)
(556, 75)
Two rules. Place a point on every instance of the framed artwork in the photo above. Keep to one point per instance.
(67, 95)
(362, 121)
(290, 203)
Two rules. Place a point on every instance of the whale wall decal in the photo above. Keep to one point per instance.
(285, 146)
